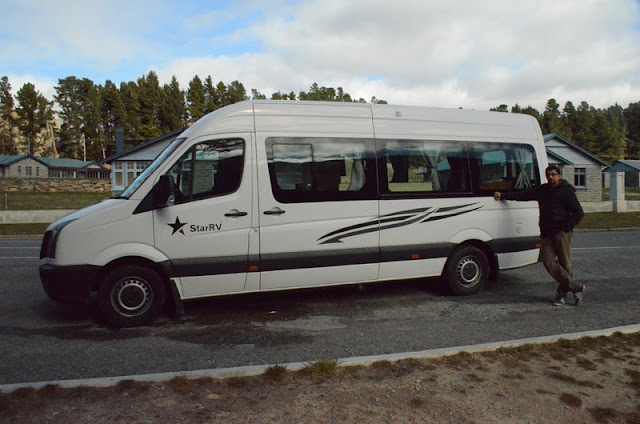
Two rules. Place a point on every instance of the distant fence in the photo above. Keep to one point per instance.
(33, 217)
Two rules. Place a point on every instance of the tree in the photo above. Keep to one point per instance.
(196, 99)
(256, 95)
(7, 120)
(34, 112)
(112, 113)
(583, 129)
(132, 122)
(150, 99)
(236, 92)
(501, 108)
(79, 102)
(632, 119)
(551, 120)
(211, 98)
(174, 110)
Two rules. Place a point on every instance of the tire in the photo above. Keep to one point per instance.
(131, 295)
(466, 271)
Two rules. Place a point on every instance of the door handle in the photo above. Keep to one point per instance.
(234, 213)
(274, 211)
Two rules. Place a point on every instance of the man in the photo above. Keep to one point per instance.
(560, 211)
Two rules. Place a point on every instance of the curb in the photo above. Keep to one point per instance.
(254, 370)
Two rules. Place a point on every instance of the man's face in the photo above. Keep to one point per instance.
(553, 178)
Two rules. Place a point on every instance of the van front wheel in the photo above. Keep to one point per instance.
(131, 295)
(467, 270)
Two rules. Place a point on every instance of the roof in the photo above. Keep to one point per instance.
(49, 162)
(631, 163)
(10, 160)
(173, 134)
(580, 149)
(68, 163)
(6, 160)
(560, 158)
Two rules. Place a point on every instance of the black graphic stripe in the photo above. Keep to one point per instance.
(437, 217)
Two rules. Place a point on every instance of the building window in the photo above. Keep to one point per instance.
(580, 178)
(28, 170)
(19, 171)
(37, 171)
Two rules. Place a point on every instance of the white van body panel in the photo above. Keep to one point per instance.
(254, 239)
(111, 228)
(133, 250)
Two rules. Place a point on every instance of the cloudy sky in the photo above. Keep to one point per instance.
(474, 54)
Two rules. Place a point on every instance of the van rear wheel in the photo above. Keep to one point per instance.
(131, 295)
(467, 270)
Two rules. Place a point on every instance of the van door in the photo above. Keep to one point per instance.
(205, 234)
(426, 199)
(318, 211)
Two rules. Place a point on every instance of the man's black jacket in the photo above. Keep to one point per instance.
(560, 209)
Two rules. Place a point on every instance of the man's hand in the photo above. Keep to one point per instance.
(497, 195)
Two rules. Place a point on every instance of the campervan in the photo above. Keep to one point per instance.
(278, 195)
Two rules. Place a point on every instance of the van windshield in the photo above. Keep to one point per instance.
(151, 168)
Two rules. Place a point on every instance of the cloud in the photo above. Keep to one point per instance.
(456, 53)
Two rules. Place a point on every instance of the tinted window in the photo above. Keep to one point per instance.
(211, 168)
(314, 169)
(418, 167)
(505, 167)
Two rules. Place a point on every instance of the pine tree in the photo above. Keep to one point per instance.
(632, 119)
(132, 124)
(112, 113)
(196, 99)
(150, 100)
(7, 120)
(174, 110)
(211, 100)
(237, 92)
(34, 112)
(551, 120)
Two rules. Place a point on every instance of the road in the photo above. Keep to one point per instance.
(42, 341)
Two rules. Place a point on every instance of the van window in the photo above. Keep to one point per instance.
(321, 169)
(505, 167)
(418, 167)
(211, 168)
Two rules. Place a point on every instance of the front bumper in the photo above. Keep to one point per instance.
(69, 284)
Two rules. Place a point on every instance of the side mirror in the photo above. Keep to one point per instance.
(164, 192)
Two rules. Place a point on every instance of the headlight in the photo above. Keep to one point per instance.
(50, 241)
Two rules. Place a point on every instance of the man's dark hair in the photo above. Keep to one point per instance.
(553, 168)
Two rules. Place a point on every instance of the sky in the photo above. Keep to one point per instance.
(474, 54)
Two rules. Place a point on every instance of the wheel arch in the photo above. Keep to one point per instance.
(488, 251)
(162, 271)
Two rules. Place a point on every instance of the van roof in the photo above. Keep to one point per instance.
(287, 116)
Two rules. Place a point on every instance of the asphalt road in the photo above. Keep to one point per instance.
(42, 341)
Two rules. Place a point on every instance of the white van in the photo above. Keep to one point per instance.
(274, 195)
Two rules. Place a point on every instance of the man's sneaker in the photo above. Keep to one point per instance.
(579, 295)
(559, 299)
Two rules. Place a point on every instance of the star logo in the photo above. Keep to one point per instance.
(177, 226)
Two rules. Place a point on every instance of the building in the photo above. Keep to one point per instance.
(28, 166)
(631, 169)
(580, 168)
(127, 165)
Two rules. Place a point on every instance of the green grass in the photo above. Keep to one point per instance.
(15, 201)
(610, 220)
(23, 229)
